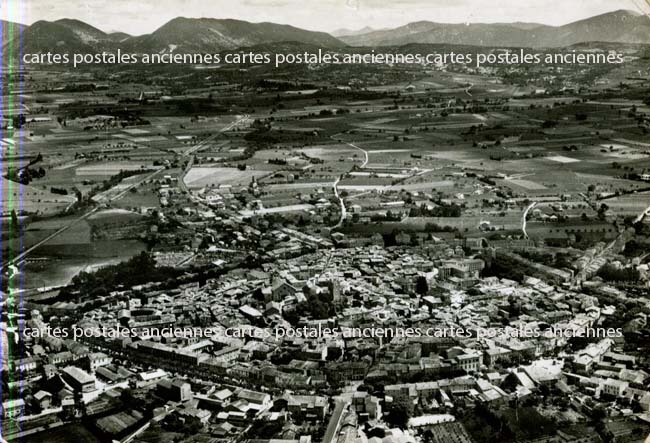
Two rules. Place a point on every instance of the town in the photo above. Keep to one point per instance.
(308, 252)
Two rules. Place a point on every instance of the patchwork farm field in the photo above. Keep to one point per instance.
(200, 177)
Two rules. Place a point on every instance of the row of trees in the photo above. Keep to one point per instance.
(611, 273)
(138, 270)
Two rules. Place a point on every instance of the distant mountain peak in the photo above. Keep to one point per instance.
(87, 33)
(344, 31)
(212, 34)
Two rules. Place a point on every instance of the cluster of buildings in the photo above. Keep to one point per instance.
(413, 329)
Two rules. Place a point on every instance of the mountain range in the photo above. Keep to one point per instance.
(216, 35)
(616, 27)
(179, 35)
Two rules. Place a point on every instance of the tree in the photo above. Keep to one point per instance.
(400, 413)
(598, 413)
(510, 383)
(421, 285)
(130, 400)
(602, 210)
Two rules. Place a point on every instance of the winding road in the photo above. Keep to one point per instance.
(344, 210)
(365, 154)
(641, 216)
(471, 85)
(523, 218)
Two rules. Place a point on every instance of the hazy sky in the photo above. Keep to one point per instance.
(144, 16)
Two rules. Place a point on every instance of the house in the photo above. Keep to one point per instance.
(613, 388)
(257, 398)
(251, 313)
(96, 360)
(469, 360)
(78, 379)
(69, 407)
(273, 308)
(223, 429)
(591, 355)
(255, 350)
(307, 406)
(493, 355)
(366, 404)
(49, 371)
(106, 374)
(432, 302)
(176, 390)
(43, 399)
(544, 371)
(28, 364)
(64, 395)
(118, 424)
(313, 351)
(459, 273)
(61, 358)
(200, 414)
(281, 289)
(222, 395)
(226, 354)
(13, 408)
(151, 377)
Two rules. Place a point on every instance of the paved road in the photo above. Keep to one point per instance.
(523, 218)
(188, 152)
(645, 213)
(471, 85)
(104, 198)
(26, 252)
(344, 211)
(32, 248)
(203, 143)
(581, 275)
(191, 150)
(331, 433)
(181, 180)
(365, 153)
